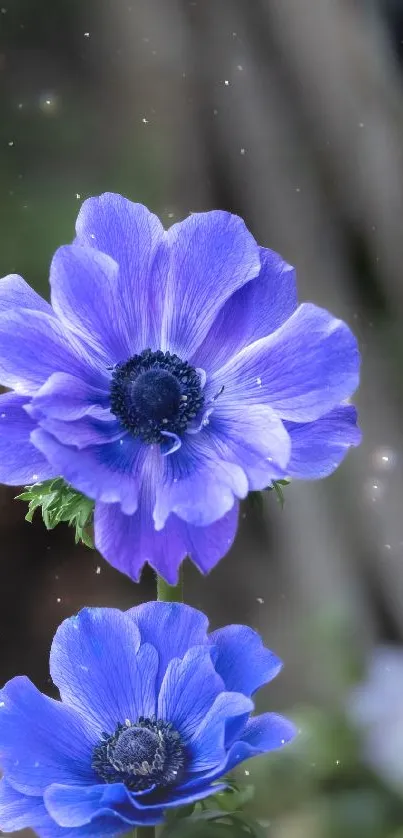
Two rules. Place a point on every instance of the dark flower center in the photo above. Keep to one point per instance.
(145, 755)
(155, 392)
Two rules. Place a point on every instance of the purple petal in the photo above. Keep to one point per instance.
(317, 448)
(132, 236)
(303, 370)
(41, 740)
(100, 669)
(20, 461)
(207, 746)
(86, 432)
(85, 296)
(109, 472)
(254, 311)
(64, 396)
(129, 541)
(212, 254)
(189, 689)
(243, 662)
(252, 436)
(198, 486)
(34, 345)
(16, 293)
(172, 627)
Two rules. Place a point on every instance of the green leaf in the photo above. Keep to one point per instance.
(277, 486)
(58, 503)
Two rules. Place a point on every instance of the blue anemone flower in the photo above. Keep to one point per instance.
(173, 373)
(154, 712)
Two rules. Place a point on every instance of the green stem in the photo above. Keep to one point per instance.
(144, 832)
(170, 593)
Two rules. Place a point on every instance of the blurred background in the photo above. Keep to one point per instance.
(290, 113)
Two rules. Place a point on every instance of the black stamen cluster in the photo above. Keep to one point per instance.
(154, 392)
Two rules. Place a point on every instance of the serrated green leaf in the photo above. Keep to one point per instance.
(59, 502)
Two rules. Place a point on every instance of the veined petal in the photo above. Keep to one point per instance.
(134, 238)
(16, 293)
(317, 448)
(71, 806)
(240, 658)
(129, 541)
(172, 627)
(86, 432)
(197, 486)
(109, 472)
(100, 669)
(64, 396)
(253, 312)
(85, 296)
(303, 370)
(212, 254)
(189, 688)
(207, 746)
(41, 740)
(253, 437)
(20, 461)
(33, 345)
(261, 734)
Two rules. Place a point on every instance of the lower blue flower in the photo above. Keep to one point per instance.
(154, 711)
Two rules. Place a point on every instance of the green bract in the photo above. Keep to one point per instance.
(60, 502)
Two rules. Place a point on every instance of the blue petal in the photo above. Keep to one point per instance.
(100, 669)
(268, 732)
(86, 298)
(18, 811)
(189, 688)
(20, 461)
(110, 472)
(262, 733)
(317, 448)
(71, 806)
(243, 662)
(208, 744)
(303, 370)
(33, 345)
(42, 741)
(64, 396)
(254, 311)
(132, 236)
(199, 486)
(212, 254)
(16, 293)
(128, 541)
(172, 628)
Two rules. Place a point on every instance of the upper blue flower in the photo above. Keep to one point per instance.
(154, 710)
(173, 373)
